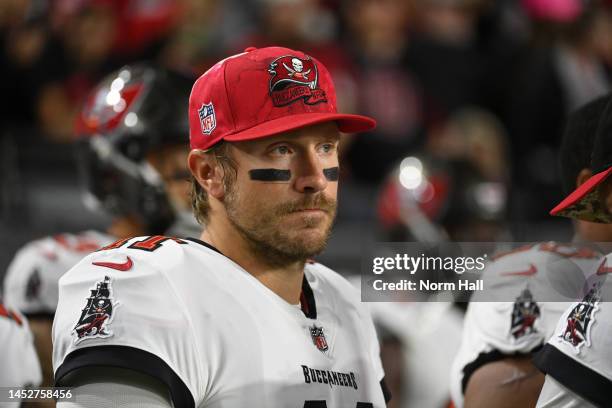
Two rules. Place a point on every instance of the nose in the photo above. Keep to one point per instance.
(310, 177)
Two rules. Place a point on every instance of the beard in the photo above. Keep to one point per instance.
(275, 241)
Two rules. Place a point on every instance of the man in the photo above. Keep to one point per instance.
(135, 171)
(576, 358)
(241, 317)
(494, 365)
(19, 366)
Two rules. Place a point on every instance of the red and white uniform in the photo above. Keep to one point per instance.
(534, 286)
(182, 312)
(576, 358)
(19, 366)
(30, 283)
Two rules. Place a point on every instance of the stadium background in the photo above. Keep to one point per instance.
(478, 90)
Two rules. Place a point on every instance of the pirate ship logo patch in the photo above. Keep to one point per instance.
(524, 315)
(577, 331)
(318, 338)
(294, 79)
(97, 314)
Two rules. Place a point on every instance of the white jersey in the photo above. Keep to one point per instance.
(19, 366)
(30, 283)
(184, 313)
(429, 334)
(525, 281)
(577, 358)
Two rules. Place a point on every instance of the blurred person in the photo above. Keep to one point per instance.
(206, 30)
(456, 189)
(603, 34)
(240, 317)
(476, 135)
(79, 58)
(494, 366)
(132, 150)
(24, 40)
(576, 358)
(444, 53)
(560, 71)
(430, 199)
(377, 41)
(19, 365)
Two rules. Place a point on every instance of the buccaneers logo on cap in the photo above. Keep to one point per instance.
(97, 314)
(294, 79)
(577, 331)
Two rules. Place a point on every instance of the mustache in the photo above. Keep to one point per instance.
(319, 202)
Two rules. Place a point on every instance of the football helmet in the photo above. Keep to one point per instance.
(129, 114)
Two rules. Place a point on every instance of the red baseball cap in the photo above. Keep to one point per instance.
(263, 92)
(584, 202)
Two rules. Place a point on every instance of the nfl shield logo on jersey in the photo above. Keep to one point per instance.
(318, 338)
(577, 330)
(208, 120)
(97, 314)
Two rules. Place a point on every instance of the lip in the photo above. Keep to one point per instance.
(310, 210)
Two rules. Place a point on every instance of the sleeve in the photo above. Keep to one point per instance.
(555, 395)
(117, 389)
(129, 318)
(19, 365)
(577, 354)
(519, 325)
(30, 283)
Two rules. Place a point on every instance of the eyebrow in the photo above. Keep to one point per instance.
(335, 137)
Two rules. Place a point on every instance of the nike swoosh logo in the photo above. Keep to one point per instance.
(531, 271)
(125, 266)
(603, 269)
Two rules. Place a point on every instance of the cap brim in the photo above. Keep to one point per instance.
(583, 203)
(346, 124)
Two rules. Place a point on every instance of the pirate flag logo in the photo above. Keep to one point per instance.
(293, 79)
(524, 315)
(33, 286)
(577, 331)
(97, 313)
(318, 338)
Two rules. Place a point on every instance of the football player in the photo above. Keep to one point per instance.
(19, 366)
(494, 365)
(132, 148)
(576, 358)
(240, 317)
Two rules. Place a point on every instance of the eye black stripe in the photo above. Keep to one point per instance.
(332, 174)
(270, 175)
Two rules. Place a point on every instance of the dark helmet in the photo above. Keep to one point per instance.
(429, 199)
(132, 112)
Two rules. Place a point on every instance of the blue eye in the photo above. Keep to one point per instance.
(328, 147)
(282, 150)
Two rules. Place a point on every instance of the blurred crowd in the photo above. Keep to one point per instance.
(483, 83)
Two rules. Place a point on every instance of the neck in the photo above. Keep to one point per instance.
(284, 280)
(594, 232)
(125, 227)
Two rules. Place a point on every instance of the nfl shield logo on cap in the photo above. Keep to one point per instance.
(208, 121)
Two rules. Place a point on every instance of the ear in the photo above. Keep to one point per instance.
(583, 176)
(208, 172)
